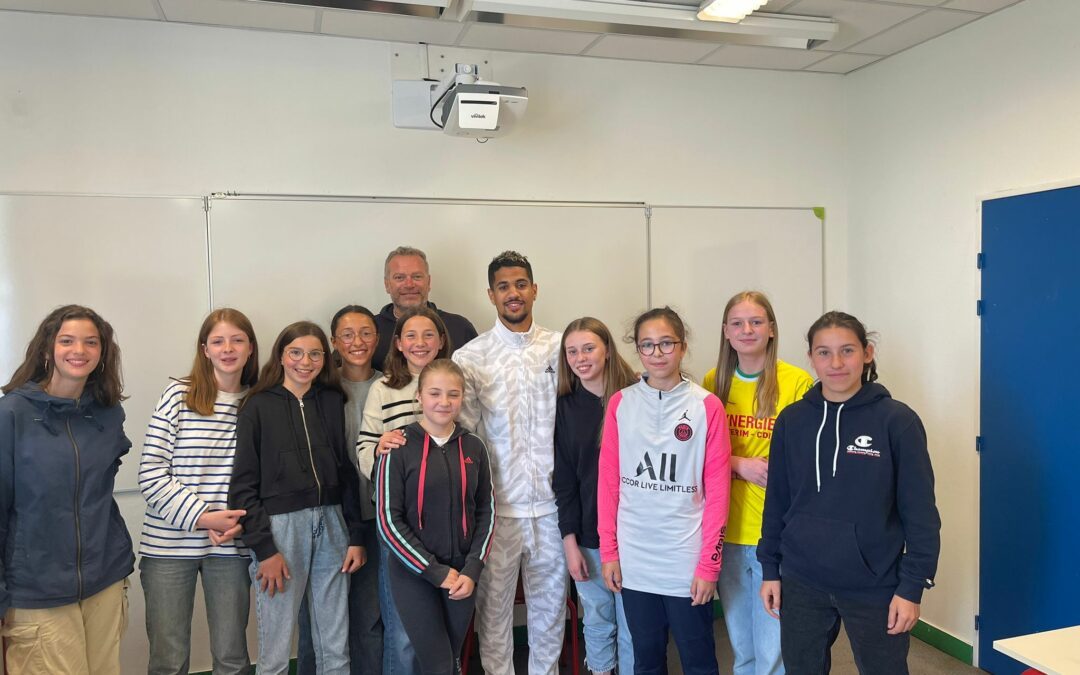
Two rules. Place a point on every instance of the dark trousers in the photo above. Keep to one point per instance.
(810, 621)
(365, 622)
(435, 624)
(649, 617)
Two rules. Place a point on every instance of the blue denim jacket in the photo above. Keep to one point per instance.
(61, 533)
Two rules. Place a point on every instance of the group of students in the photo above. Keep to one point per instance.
(522, 451)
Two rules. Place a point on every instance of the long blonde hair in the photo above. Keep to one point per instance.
(768, 385)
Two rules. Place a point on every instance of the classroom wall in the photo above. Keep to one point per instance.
(993, 106)
(125, 107)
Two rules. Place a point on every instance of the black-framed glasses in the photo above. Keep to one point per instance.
(297, 354)
(666, 347)
(349, 337)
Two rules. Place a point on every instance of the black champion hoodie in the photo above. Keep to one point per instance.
(850, 504)
(291, 455)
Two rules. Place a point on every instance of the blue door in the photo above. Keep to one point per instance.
(1029, 522)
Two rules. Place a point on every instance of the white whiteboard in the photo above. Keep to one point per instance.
(280, 261)
(142, 262)
(703, 256)
(139, 262)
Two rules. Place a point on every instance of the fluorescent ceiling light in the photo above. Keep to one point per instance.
(729, 11)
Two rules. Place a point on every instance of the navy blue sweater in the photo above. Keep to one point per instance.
(850, 504)
(61, 533)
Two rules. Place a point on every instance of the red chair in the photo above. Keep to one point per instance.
(570, 642)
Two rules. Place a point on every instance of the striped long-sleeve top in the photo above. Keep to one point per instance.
(385, 410)
(186, 466)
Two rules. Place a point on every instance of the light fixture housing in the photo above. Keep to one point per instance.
(728, 11)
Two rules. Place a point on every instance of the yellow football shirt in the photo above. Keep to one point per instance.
(750, 437)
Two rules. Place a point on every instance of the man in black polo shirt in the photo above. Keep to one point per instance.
(408, 282)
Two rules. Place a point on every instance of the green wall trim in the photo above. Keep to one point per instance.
(939, 639)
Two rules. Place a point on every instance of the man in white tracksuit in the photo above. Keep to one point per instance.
(511, 380)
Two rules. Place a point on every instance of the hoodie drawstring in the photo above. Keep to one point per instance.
(817, 446)
(423, 477)
(836, 450)
(817, 443)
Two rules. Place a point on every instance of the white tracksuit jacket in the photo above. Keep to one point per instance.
(511, 382)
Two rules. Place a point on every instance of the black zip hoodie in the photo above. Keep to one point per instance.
(290, 455)
(578, 418)
(850, 504)
(425, 517)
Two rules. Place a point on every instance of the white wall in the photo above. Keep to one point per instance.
(993, 106)
(114, 106)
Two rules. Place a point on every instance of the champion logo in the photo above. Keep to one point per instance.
(863, 447)
(468, 460)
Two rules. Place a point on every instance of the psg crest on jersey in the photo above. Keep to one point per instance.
(683, 431)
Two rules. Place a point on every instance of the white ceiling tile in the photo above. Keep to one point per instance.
(920, 3)
(775, 6)
(391, 27)
(128, 9)
(858, 20)
(917, 30)
(741, 56)
(241, 13)
(842, 63)
(650, 49)
(515, 39)
(985, 6)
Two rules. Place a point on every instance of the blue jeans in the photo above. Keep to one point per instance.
(810, 622)
(169, 589)
(607, 637)
(754, 635)
(314, 543)
(365, 624)
(650, 616)
(399, 657)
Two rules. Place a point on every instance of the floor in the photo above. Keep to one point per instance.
(922, 659)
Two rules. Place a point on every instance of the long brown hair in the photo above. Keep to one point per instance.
(273, 373)
(768, 386)
(395, 367)
(202, 385)
(617, 372)
(106, 383)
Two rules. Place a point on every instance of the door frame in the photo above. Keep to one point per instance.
(977, 379)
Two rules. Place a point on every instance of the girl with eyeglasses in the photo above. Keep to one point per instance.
(293, 477)
(66, 553)
(419, 338)
(590, 372)
(354, 335)
(754, 385)
(662, 501)
(188, 530)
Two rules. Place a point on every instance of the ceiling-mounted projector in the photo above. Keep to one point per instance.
(461, 105)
